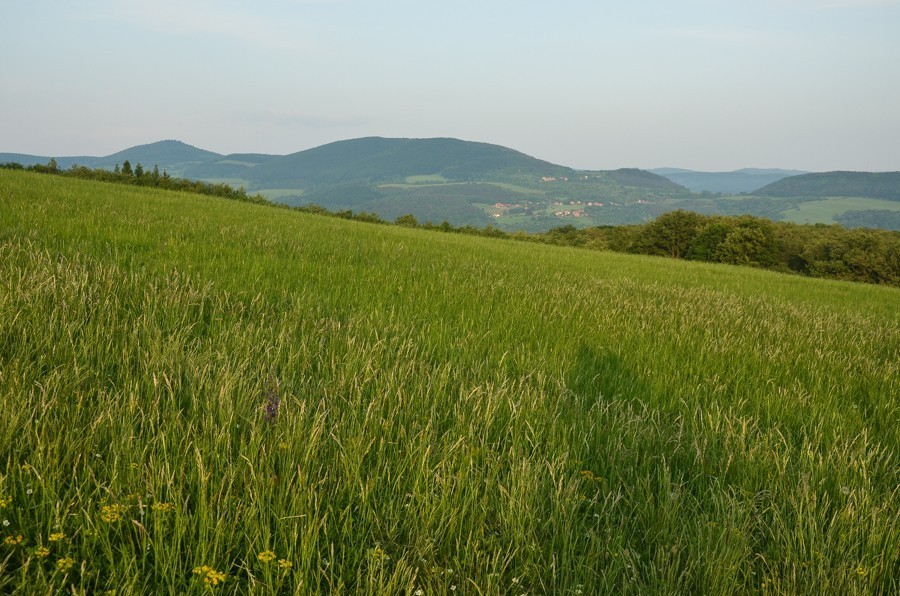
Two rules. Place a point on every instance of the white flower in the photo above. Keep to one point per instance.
(5, 523)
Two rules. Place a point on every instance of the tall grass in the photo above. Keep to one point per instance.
(203, 395)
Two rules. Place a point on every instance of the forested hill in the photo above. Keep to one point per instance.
(376, 159)
(880, 185)
(162, 152)
(174, 156)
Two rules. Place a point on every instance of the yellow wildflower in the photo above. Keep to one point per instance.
(41, 552)
(163, 507)
(13, 540)
(210, 575)
(113, 513)
(5, 500)
(266, 556)
(285, 564)
(56, 537)
(377, 554)
(861, 571)
(63, 564)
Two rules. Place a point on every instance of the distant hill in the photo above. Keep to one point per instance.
(172, 155)
(375, 160)
(738, 181)
(643, 179)
(480, 184)
(876, 185)
(235, 165)
(163, 153)
(31, 160)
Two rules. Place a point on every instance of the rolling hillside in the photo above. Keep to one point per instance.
(479, 184)
(874, 185)
(377, 160)
(206, 395)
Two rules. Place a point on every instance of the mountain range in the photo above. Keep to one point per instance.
(470, 183)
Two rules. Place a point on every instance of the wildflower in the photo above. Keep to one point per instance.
(266, 556)
(163, 507)
(453, 588)
(56, 537)
(587, 474)
(13, 540)
(210, 576)
(113, 513)
(861, 571)
(419, 592)
(64, 564)
(41, 552)
(5, 500)
(283, 446)
(5, 523)
(273, 402)
(377, 554)
(285, 564)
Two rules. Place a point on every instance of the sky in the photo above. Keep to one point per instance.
(712, 85)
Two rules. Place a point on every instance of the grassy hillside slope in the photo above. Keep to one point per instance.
(201, 394)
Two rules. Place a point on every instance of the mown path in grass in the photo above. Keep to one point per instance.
(190, 383)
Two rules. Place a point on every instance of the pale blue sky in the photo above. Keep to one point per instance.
(701, 84)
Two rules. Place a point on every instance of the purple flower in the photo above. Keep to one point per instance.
(273, 401)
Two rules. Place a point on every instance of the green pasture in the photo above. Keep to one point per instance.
(825, 210)
(201, 395)
(426, 179)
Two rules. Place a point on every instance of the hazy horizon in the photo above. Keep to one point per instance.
(709, 85)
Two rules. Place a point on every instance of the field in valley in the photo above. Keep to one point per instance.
(199, 394)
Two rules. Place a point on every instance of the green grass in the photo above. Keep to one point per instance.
(414, 185)
(825, 210)
(453, 412)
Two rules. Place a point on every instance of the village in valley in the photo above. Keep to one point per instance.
(582, 200)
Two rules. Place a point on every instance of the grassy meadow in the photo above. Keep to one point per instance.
(199, 395)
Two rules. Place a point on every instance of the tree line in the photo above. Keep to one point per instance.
(136, 175)
(819, 250)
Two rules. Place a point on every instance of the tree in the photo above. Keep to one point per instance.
(671, 234)
(751, 242)
(409, 220)
(707, 245)
(126, 169)
(138, 170)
